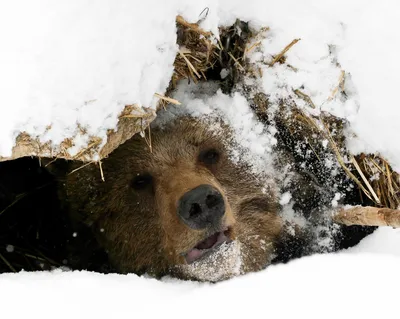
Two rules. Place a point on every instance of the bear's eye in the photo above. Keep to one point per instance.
(142, 181)
(209, 157)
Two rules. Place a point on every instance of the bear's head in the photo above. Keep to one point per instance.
(183, 206)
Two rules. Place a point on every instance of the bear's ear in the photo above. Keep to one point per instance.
(59, 167)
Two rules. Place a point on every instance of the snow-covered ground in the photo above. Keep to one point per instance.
(82, 61)
(362, 283)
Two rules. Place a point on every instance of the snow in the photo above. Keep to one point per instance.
(252, 141)
(285, 198)
(83, 61)
(366, 46)
(383, 241)
(370, 42)
(10, 248)
(80, 62)
(360, 285)
(225, 263)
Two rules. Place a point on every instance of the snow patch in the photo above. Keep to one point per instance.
(285, 198)
(224, 263)
(252, 140)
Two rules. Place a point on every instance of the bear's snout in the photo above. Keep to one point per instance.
(202, 207)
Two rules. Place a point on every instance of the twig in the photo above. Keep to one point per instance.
(252, 47)
(90, 146)
(7, 263)
(168, 99)
(389, 177)
(341, 161)
(137, 116)
(101, 171)
(34, 257)
(150, 145)
(148, 140)
(23, 195)
(17, 199)
(190, 65)
(339, 86)
(353, 160)
(201, 19)
(282, 53)
(368, 216)
(51, 162)
(80, 167)
(236, 62)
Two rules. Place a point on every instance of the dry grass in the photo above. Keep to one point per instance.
(200, 52)
(382, 179)
(281, 54)
(372, 173)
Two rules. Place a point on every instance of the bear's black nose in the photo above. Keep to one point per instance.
(202, 207)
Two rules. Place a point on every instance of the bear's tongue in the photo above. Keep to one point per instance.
(204, 246)
(208, 242)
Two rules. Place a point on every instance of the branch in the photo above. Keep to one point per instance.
(368, 216)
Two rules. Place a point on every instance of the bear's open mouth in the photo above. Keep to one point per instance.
(206, 246)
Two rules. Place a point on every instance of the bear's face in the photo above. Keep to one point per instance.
(182, 207)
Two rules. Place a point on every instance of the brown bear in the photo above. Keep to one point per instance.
(181, 207)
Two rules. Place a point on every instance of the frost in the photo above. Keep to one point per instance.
(252, 141)
(294, 218)
(285, 198)
(336, 199)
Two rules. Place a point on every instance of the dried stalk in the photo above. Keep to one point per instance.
(305, 97)
(353, 160)
(340, 86)
(168, 99)
(101, 171)
(7, 263)
(282, 53)
(190, 65)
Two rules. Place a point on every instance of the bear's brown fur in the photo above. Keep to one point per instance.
(133, 214)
